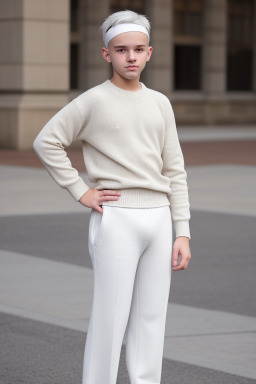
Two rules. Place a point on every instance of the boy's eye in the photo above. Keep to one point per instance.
(122, 50)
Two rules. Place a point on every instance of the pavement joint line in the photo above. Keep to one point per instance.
(8, 215)
(81, 326)
(211, 334)
(226, 212)
(52, 320)
(232, 369)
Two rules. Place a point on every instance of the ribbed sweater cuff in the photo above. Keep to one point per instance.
(182, 228)
(78, 189)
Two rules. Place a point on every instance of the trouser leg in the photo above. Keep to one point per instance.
(115, 244)
(146, 326)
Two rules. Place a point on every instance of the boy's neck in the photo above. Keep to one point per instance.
(128, 85)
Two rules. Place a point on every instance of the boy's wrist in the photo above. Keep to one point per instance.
(183, 237)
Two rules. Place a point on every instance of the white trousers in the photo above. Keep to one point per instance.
(131, 250)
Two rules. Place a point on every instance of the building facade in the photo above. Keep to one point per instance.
(204, 59)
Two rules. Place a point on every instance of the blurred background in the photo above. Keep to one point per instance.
(204, 61)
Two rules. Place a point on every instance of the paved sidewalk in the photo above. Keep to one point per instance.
(46, 276)
(216, 133)
(200, 146)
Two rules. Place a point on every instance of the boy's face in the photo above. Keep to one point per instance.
(128, 53)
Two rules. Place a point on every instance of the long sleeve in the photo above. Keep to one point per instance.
(173, 167)
(60, 131)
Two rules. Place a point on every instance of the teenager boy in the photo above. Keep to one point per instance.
(134, 160)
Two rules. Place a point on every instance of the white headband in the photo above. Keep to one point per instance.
(121, 28)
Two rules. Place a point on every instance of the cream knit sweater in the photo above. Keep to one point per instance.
(130, 143)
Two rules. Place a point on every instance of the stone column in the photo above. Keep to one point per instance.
(93, 69)
(34, 67)
(214, 47)
(159, 70)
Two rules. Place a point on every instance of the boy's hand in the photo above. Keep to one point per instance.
(93, 198)
(181, 247)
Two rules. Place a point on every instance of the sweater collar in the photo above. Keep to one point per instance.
(124, 92)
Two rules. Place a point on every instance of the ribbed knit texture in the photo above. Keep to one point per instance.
(130, 144)
(140, 197)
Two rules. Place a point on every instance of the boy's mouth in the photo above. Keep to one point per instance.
(131, 67)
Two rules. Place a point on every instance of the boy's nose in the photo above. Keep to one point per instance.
(130, 56)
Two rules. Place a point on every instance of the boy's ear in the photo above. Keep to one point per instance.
(150, 50)
(105, 54)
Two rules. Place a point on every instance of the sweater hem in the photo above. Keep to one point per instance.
(139, 198)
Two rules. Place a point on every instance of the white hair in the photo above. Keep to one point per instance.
(121, 17)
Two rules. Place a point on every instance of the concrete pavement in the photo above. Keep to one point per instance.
(213, 133)
(46, 281)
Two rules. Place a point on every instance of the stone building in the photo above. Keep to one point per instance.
(204, 59)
